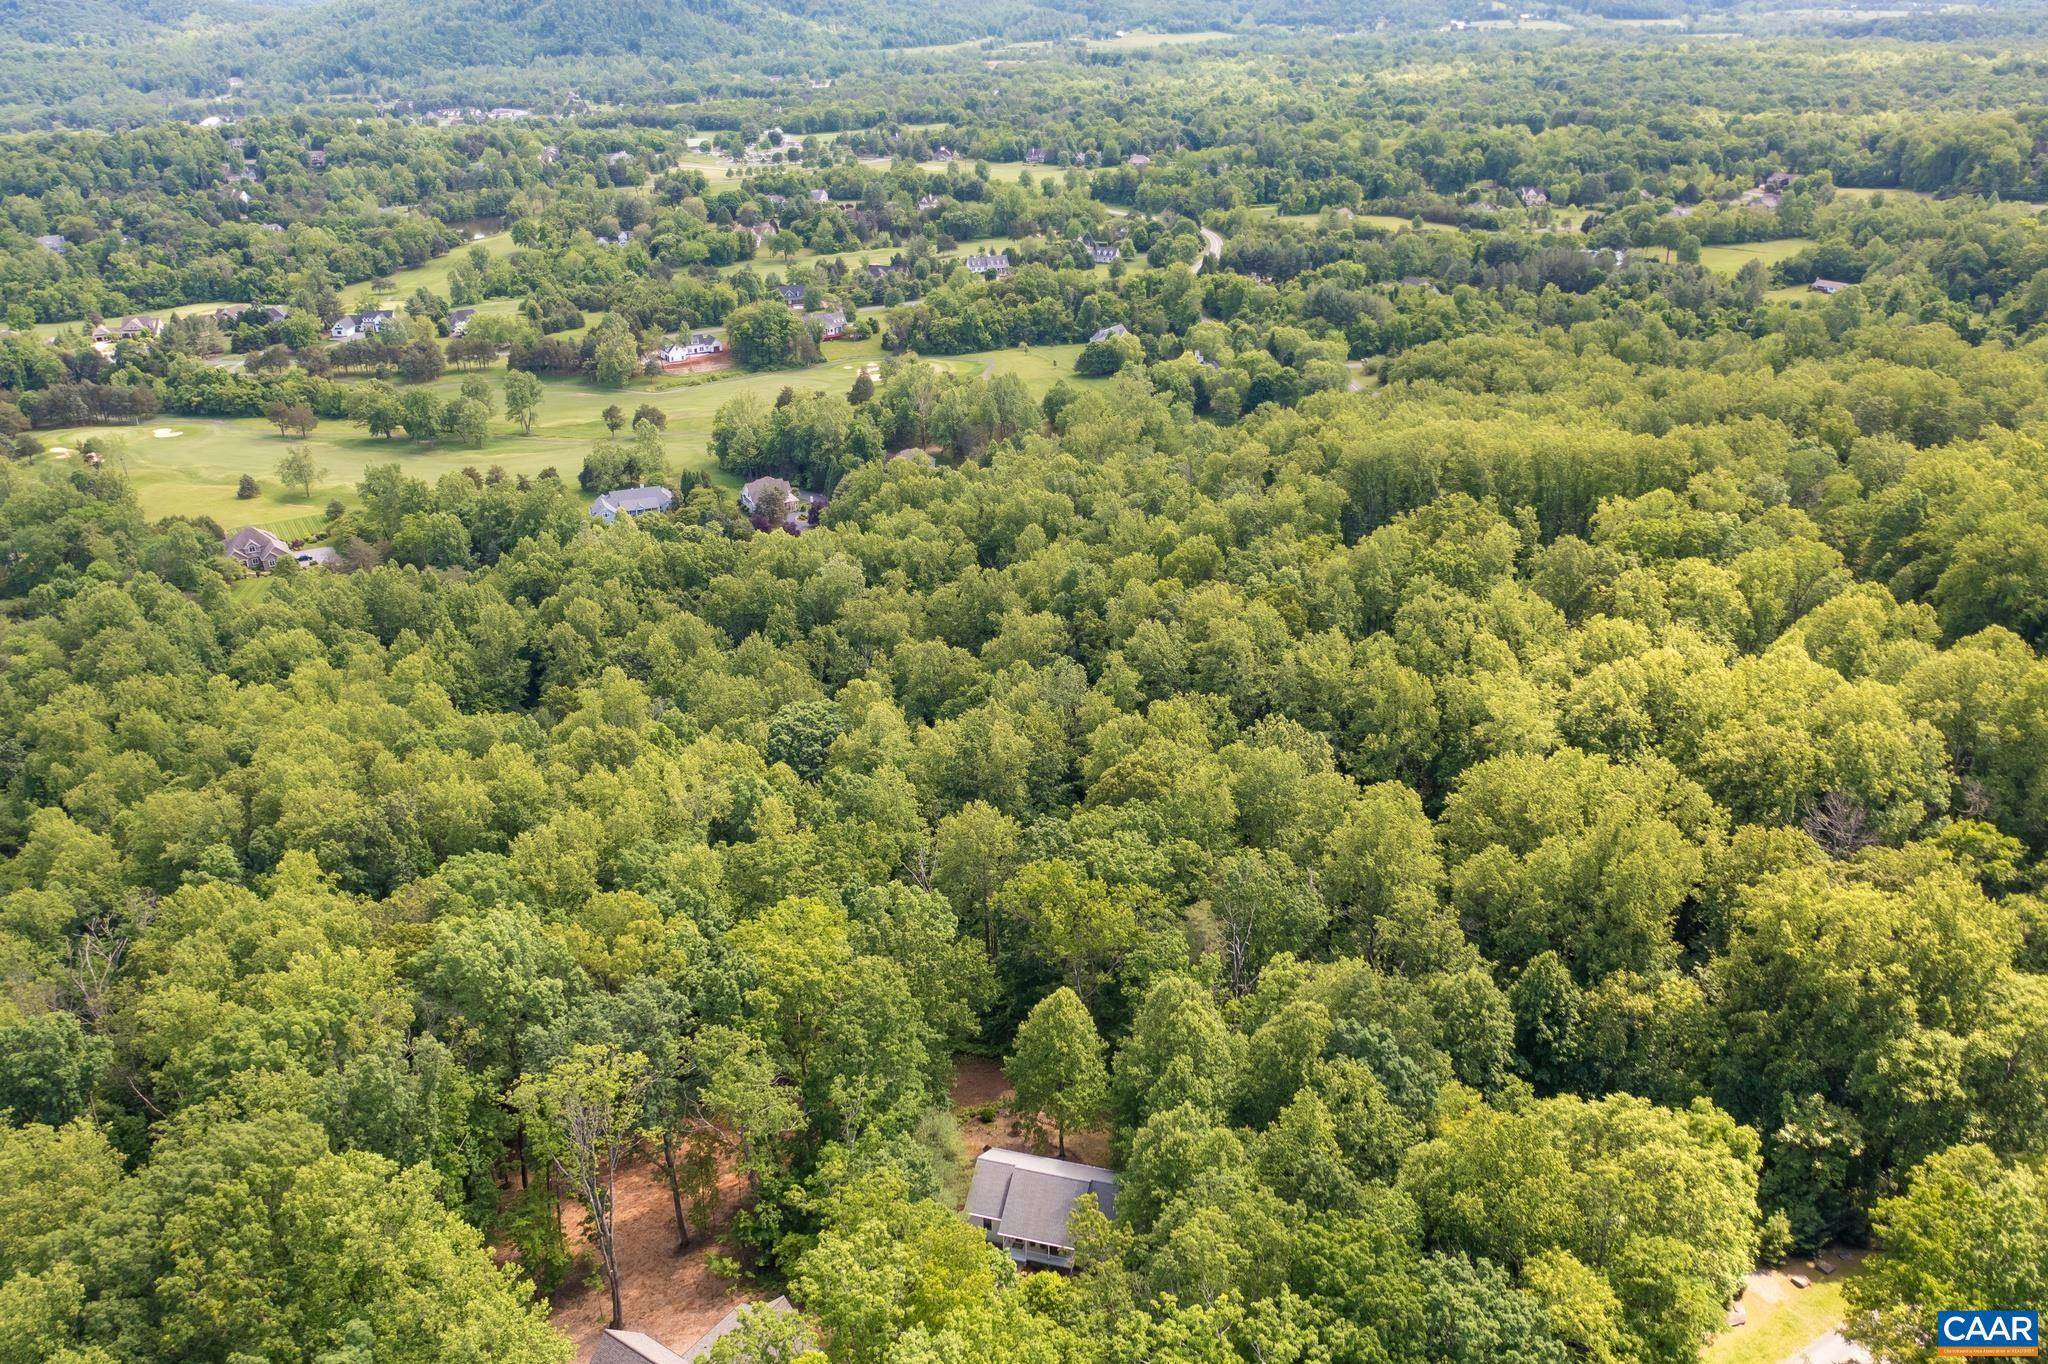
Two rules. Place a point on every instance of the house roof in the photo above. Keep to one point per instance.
(726, 1325)
(254, 539)
(1113, 329)
(752, 492)
(631, 500)
(1029, 1197)
(631, 1347)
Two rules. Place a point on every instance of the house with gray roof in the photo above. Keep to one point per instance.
(800, 510)
(255, 547)
(792, 294)
(634, 1347)
(1113, 329)
(985, 262)
(1022, 1202)
(637, 501)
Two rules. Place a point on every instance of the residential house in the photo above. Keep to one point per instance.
(791, 294)
(1103, 253)
(1828, 286)
(317, 159)
(1034, 156)
(699, 346)
(982, 262)
(821, 196)
(927, 202)
(1779, 181)
(1138, 161)
(255, 547)
(550, 154)
(503, 113)
(831, 324)
(799, 510)
(458, 321)
(352, 325)
(636, 501)
(1532, 196)
(236, 313)
(614, 158)
(1113, 329)
(270, 227)
(134, 327)
(53, 242)
(945, 154)
(1023, 1201)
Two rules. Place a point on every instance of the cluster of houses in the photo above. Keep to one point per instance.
(451, 115)
(257, 550)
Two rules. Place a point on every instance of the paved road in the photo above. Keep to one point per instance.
(1212, 244)
(1831, 1349)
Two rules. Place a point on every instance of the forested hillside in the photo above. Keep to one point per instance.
(1433, 642)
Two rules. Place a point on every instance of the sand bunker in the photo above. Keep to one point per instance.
(165, 433)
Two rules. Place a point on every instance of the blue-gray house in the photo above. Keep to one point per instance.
(607, 507)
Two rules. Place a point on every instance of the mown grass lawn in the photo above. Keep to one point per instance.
(1138, 40)
(1778, 1330)
(195, 472)
(1727, 260)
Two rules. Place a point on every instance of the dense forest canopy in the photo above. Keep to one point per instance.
(1431, 634)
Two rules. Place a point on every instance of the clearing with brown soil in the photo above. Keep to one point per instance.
(674, 1298)
(978, 1083)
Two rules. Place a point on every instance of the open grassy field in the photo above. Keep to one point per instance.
(433, 275)
(1729, 259)
(1784, 1320)
(195, 472)
(1386, 222)
(877, 254)
(1138, 40)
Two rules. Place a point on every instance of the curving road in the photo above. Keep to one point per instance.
(1212, 248)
